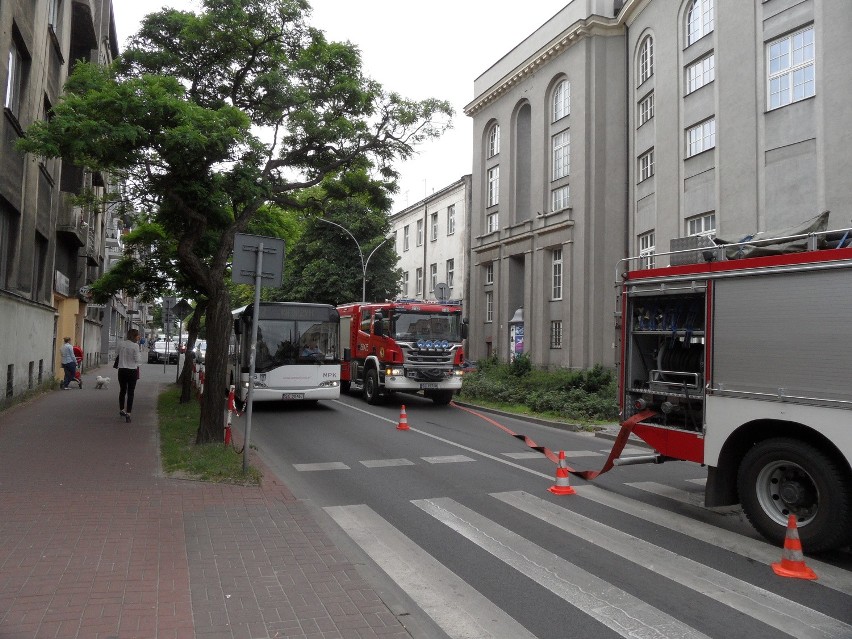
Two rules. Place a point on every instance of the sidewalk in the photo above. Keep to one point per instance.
(96, 543)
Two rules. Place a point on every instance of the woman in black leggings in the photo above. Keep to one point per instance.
(127, 362)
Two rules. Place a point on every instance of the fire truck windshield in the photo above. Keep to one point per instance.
(411, 326)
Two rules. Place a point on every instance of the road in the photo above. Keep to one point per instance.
(452, 522)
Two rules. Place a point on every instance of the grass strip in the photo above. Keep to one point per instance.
(181, 456)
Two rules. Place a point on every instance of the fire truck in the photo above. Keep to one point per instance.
(405, 346)
(737, 357)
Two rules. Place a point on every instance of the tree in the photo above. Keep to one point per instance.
(325, 267)
(212, 116)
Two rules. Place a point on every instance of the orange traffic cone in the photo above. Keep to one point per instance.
(403, 419)
(792, 562)
(562, 486)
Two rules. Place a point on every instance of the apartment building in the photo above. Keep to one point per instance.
(51, 245)
(431, 240)
(619, 128)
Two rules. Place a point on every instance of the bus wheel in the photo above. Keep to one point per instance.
(371, 387)
(345, 386)
(783, 476)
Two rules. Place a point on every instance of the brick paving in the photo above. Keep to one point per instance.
(96, 543)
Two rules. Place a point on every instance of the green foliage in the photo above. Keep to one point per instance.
(575, 395)
(209, 462)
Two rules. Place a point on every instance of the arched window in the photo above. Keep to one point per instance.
(699, 20)
(494, 140)
(646, 59)
(561, 100)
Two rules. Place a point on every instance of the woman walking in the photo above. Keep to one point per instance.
(128, 371)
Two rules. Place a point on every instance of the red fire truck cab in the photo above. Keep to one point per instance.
(405, 346)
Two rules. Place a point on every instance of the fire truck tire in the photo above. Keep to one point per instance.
(371, 387)
(345, 386)
(784, 476)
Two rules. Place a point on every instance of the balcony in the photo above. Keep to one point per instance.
(72, 223)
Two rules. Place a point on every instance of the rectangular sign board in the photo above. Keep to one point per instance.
(245, 260)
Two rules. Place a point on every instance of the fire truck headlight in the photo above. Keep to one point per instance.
(330, 383)
(445, 344)
(394, 372)
(458, 373)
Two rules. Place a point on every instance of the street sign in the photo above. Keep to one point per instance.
(245, 262)
(442, 292)
(182, 309)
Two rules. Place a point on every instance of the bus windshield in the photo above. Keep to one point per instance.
(288, 335)
(413, 325)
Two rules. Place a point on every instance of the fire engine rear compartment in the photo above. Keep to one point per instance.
(771, 338)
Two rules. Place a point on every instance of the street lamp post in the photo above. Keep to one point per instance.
(364, 262)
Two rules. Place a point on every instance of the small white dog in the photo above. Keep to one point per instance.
(101, 382)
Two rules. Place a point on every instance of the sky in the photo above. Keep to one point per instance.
(420, 50)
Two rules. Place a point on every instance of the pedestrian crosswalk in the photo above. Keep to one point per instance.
(462, 611)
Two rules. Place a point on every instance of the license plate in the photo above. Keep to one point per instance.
(293, 396)
(428, 386)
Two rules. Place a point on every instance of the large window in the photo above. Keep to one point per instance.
(646, 59)
(701, 137)
(405, 284)
(699, 20)
(419, 232)
(433, 277)
(701, 73)
(434, 226)
(8, 237)
(561, 100)
(489, 306)
(493, 186)
(489, 273)
(556, 334)
(451, 272)
(702, 225)
(405, 238)
(647, 249)
(418, 282)
(561, 154)
(559, 198)
(646, 165)
(646, 109)
(451, 219)
(494, 140)
(14, 81)
(791, 68)
(53, 14)
(492, 222)
(556, 273)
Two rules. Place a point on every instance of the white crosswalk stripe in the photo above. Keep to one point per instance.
(454, 605)
(670, 492)
(447, 459)
(776, 611)
(759, 551)
(384, 463)
(618, 610)
(321, 466)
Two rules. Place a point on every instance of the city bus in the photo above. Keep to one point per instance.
(297, 352)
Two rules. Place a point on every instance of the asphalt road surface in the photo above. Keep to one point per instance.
(452, 522)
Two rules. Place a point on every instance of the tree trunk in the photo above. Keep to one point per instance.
(189, 359)
(211, 427)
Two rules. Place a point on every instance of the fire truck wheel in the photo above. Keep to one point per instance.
(345, 386)
(371, 387)
(784, 476)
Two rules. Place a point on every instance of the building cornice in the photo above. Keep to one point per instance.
(580, 30)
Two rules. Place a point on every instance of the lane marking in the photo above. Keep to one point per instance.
(321, 466)
(447, 459)
(616, 609)
(774, 610)
(701, 481)
(458, 608)
(755, 549)
(382, 463)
